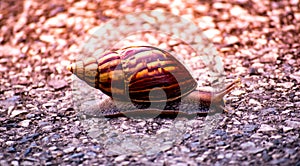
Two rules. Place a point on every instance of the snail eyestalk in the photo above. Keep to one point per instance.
(209, 98)
(219, 96)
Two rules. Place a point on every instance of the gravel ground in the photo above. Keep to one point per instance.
(257, 41)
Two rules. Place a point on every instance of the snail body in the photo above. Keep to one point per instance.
(150, 80)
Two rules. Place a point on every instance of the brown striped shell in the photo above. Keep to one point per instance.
(130, 74)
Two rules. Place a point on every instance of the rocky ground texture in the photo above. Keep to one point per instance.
(258, 41)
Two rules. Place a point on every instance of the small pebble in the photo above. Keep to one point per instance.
(287, 129)
(221, 143)
(247, 145)
(25, 123)
(120, 158)
(77, 155)
(15, 113)
(250, 128)
(220, 156)
(294, 124)
(69, 150)
(266, 128)
(11, 150)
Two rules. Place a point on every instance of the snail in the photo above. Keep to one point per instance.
(149, 79)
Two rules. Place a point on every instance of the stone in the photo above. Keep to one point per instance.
(266, 128)
(294, 124)
(57, 84)
(254, 102)
(25, 123)
(69, 150)
(228, 155)
(15, 113)
(287, 129)
(120, 158)
(250, 128)
(247, 145)
(77, 155)
(238, 92)
(220, 156)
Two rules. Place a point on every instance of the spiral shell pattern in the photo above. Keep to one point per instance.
(131, 73)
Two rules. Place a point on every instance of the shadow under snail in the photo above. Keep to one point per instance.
(138, 75)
